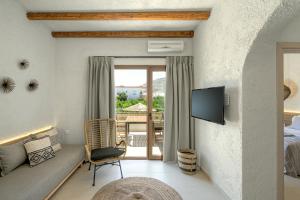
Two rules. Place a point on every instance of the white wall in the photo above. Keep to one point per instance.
(21, 110)
(291, 33)
(240, 157)
(292, 74)
(71, 75)
(220, 47)
(259, 122)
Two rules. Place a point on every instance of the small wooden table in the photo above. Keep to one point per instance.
(134, 120)
(157, 127)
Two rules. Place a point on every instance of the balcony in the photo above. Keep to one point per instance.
(132, 127)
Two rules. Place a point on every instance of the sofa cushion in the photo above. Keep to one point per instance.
(55, 138)
(108, 152)
(11, 156)
(39, 151)
(36, 183)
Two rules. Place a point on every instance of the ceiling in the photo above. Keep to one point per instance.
(115, 5)
(118, 5)
(121, 25)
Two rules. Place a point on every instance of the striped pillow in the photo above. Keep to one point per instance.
(39, 151)
(54, 138)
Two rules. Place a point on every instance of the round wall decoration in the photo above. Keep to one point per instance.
(7, 85)
(286, 92)
(24, 64)
(290, 88)
(32, 85)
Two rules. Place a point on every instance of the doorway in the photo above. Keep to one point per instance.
(288, 55)
(140, 94)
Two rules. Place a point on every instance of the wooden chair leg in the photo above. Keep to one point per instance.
(121, 169)
(95, 166)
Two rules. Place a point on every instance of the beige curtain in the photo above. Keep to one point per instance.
(179, 125)
(101, 97)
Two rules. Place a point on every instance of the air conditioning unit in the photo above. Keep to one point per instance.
(165, 46)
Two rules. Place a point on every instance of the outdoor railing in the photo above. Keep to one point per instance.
(136, 119)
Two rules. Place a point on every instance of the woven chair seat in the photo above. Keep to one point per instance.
(108, 152)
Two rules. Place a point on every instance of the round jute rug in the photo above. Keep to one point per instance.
(137, 188)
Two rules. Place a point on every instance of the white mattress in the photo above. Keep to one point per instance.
(290, 131)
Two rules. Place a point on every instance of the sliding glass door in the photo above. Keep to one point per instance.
(156, 99)
(140, 109)
(132, 110)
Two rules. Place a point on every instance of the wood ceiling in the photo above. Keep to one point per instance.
(161, 15)
(124, 34)
(147, 16)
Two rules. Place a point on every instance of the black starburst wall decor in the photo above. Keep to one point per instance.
(32, 85)
(24, 64)
(7, 85)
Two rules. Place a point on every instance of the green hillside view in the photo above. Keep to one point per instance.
(123, 102)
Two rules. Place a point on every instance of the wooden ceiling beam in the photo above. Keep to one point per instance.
(124, 34)
(157, 15)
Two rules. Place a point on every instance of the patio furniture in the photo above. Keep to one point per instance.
(158, 131)
(135, 119)
(137, 139)
(121, 130)
(101, 147)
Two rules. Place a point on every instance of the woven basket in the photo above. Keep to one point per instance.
(187, 161)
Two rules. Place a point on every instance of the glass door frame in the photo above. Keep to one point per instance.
(150, 69)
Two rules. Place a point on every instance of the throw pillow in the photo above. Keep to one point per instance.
(39, 151)
(295, 123)
(55, 138)
(11, 156)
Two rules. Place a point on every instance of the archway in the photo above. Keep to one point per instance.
(261, 110)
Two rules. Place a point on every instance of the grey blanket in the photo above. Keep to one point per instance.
(292, 155)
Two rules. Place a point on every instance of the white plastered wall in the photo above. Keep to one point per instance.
(21, 110)
(291, 33)
(292, 78)
(71, 74)
(240, 157)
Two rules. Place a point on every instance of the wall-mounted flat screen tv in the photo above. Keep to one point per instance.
(208, 104)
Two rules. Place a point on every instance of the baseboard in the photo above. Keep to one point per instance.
(216, 185)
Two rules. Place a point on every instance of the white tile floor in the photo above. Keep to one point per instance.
(196, 187)
(291, 188)
(141, 151)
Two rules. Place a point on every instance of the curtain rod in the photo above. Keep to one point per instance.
(139, 56)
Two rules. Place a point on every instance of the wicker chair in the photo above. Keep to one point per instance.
(101, 147)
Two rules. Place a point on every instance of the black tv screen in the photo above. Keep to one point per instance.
(208, 104)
